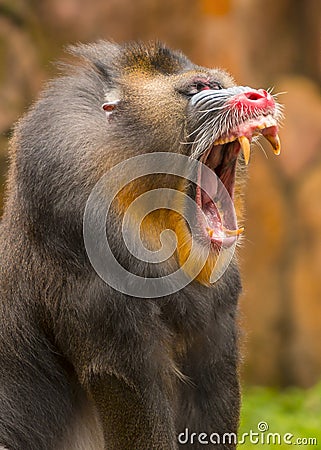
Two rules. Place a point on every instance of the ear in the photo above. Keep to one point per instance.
(112, 98)
(109, 107)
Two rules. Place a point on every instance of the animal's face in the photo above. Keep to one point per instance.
(166, 104)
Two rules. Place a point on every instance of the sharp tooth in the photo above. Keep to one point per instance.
(275, 142)
(210, 231)
(233, 232)
(246, 149)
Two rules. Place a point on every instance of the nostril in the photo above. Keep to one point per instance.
(254, 95)
(253, 99)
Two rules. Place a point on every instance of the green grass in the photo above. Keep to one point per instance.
(293, 410)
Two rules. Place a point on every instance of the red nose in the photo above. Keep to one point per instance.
(253, 99)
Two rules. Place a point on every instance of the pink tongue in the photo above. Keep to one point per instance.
(209, 186)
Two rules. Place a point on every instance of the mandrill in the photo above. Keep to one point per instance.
(90, 364)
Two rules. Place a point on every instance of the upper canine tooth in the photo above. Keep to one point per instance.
(210, 231)
(246, 148)
(275, 142)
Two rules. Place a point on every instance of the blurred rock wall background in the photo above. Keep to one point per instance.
(263, 43)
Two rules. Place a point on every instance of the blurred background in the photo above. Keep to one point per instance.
(263, 43)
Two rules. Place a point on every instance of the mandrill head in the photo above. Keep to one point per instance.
(124, 101)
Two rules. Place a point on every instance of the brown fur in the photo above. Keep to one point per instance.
(83, 366)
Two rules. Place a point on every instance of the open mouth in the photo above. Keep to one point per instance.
(215, 187)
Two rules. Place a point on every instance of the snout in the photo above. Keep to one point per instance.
(252, 99)
(242, 99)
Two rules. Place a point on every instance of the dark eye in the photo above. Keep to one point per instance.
(200, 85)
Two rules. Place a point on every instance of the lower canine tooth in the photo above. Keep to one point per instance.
(246, 148)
